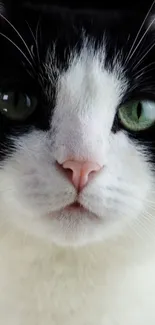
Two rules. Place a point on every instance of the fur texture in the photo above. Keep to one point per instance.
(71, 267)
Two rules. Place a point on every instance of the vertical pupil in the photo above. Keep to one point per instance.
(139, 110)
(16, 98)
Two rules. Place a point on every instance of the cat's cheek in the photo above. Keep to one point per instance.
(35, 194)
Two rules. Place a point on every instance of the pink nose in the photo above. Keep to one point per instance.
(80, 172)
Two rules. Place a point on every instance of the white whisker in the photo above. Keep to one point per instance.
(141, 41)
(30, 30)
(131, 52)
(37, 47)
(17, 32)
(35, 39)
(143, 225)
(142, 58)
(140, 226)
(134, 229)
(146, 213)
(18, 49)
(145, 68)
(139, 55)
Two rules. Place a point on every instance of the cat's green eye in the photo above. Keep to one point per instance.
(138, 115)
(17, 106)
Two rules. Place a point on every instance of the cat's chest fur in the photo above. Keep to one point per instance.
(48, 285)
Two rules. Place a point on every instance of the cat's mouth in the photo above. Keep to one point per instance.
(75, 206)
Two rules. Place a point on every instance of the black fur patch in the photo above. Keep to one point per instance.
(47, 24)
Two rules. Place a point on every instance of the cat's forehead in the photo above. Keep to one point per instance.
(87, 81)
(58, 38)
(90, 41)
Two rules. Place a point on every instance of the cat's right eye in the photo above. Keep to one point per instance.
(138, 115)
(17, 106)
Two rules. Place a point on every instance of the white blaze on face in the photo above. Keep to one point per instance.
(87, 97)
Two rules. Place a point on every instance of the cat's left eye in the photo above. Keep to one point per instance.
(17, 106)
(138, 115)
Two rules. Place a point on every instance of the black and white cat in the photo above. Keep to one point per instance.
(77, 166)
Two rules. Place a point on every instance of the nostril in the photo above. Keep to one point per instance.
(67, 172)
(79, 172)
(91, 175)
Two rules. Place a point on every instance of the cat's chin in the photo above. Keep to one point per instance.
(74, 225)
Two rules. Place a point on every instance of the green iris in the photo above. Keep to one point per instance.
(17, 106)
(137, 116)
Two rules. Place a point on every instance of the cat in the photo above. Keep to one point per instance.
(77, 161)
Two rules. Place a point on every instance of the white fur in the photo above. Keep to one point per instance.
(104, 274)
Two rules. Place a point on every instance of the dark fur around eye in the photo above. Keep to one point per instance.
(30, 29)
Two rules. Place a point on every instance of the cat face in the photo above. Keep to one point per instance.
(77, 113)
